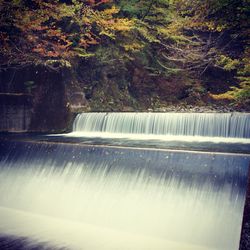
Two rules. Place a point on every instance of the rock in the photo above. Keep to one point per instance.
(77, 100)
(48, 109)
(127, 109)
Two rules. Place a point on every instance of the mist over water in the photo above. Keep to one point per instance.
(99, 197)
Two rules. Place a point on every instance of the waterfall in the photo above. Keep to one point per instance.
(84, 197)
(226, 125)
(96, 188)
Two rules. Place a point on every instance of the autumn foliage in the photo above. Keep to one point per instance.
(192, 39)
(37, 30)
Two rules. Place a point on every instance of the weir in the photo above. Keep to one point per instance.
(221, 127)
(101, 197)
(185, 124)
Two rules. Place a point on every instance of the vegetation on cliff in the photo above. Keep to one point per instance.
(122, 51)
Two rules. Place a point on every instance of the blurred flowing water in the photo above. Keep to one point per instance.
(165, 126)
(106, 197)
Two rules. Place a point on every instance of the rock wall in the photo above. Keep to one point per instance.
(34, 99)
(15, 112)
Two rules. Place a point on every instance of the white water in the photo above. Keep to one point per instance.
(95, 198)
(216, 127)
(56, 233)
(108, 198)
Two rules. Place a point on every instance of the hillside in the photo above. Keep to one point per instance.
(126, 55)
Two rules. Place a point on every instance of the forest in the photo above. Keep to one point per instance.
(131, 54)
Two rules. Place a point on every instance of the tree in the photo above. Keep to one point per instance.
(40, 30)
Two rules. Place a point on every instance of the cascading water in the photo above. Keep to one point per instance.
(102, 197)
(165, 126)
